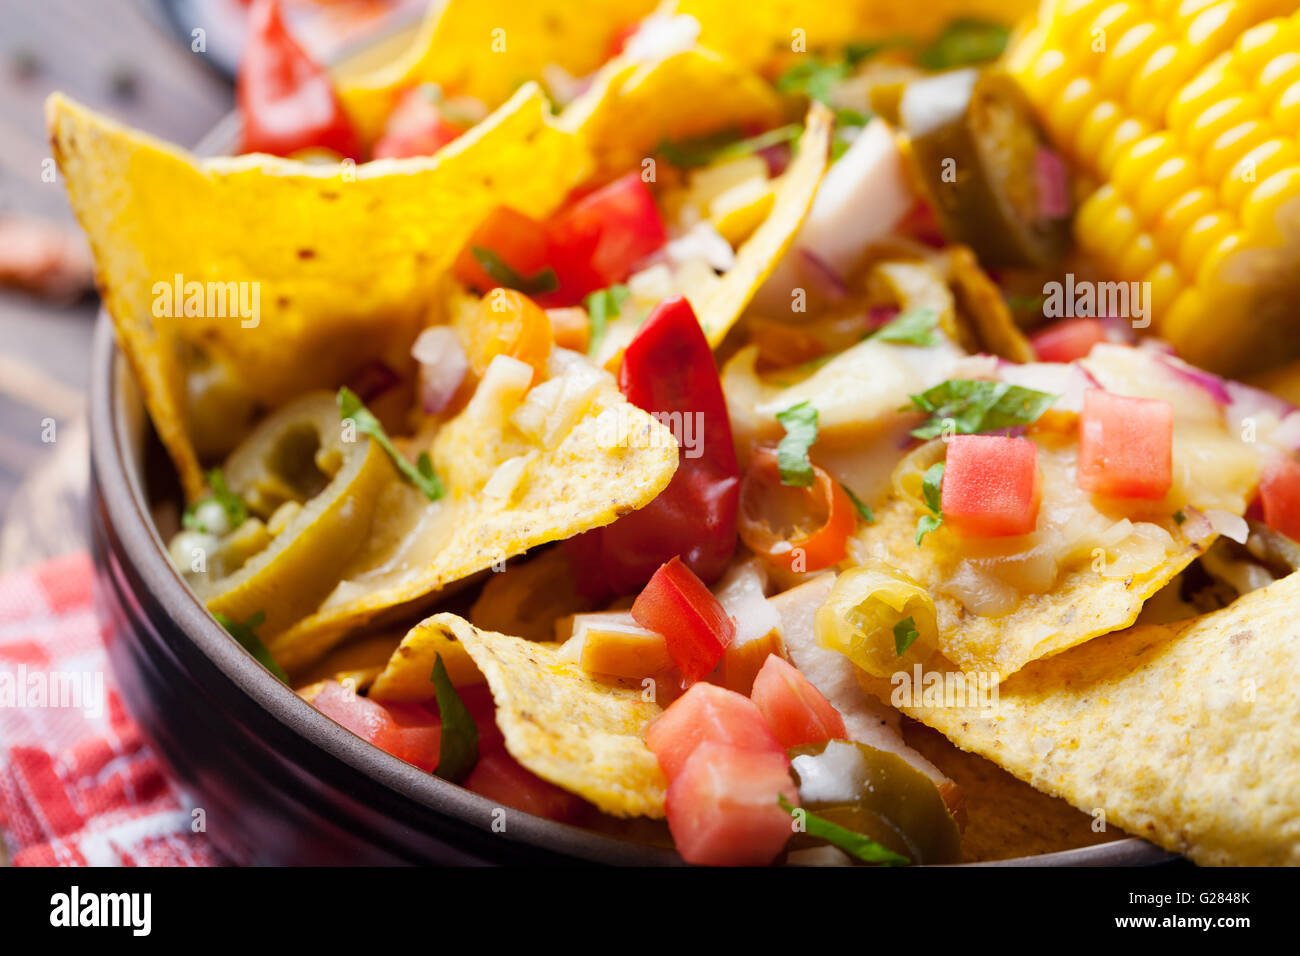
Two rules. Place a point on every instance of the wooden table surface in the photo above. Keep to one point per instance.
(114, 55)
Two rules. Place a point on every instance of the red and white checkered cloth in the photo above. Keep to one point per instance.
(78, 785)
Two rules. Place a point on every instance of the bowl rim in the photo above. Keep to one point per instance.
(129, 514)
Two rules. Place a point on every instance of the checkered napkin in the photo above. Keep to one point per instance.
(78, 785)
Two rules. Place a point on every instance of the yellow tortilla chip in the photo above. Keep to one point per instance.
(756, 34)
(1005, 817)
(1083, 604)
(359, 661)
(1184, 734)
(508, 489)
(486, 48)
(564, 725)
(408, 673)
(721, 304)
(341, 262)
(632, 107)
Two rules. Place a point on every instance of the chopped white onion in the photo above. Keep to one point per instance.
(443, 366)
(661, 36)
(1228, 524)
(703, 242)
(831, 776)
(741, 594)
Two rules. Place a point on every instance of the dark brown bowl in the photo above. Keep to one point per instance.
(279, 782)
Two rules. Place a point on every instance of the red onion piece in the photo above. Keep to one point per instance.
(1118, 330)
(373, 379)
(823, 280)
(1053, 184)
(777, 158)
(443, 366)
(1208, 382)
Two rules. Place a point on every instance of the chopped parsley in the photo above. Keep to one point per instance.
(813, 78)
(602, 306)
(932, 488)
(420, 474)
(905, 635)
(855, 844)
(716, 148)
(458, 745)
(503, 274)
(1179, 517)
(245, 634)
(913, 327)
(800, 424)
(233, 505)
(974, 406)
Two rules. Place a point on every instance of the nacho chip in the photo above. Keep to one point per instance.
(721, 303)
(359, 661)
(1082, 604)
(632, 107)
(566, 726)
(756, 34)
(521, 467)
(407, 674)
(1182, 733)
(486, 48)
(339, 263)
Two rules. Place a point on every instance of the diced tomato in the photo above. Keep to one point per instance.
(597, 240)
(707, 712)
(501, 778)
(285, 99)
(795, 710)
(801, 529)
(991, 486)
(406, 731)
(1279, 495)
(1125, 445)
(724, 807)
(519, 241)
(1068, 340)
(510, 323)
(416, 127)
(676, 604)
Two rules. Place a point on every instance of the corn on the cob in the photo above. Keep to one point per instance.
(1186, 113)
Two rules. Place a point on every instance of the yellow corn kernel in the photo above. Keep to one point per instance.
(1259, 164)
(1096, 131)
(1129, 54)
(1200, 237)
(1285, 111)
(1258, 45)
(1222, 116)
(1138, 258)
(1231, 145)
(1212, 262)
(1104, 224)
(1178, 218)
(1047, 76)
(1206, 88)
(1072, 107)
(1165, 282)
(1169, 182)
(1121, 137)
(1259, 211)
(1155, 83)
(1106, 29)
(1139, 160)
(1279, 73)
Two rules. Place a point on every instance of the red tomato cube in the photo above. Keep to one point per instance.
(597, 240)
(1126, 445)
(406, 731)
(501, 778)
(676, 604)
(416, 127)
(1279, 495)
(1068, 340)
(794, 709)
(517, 239)
(708, 713)
(723, 808)
(991, 486)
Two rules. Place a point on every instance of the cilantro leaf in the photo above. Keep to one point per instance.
(603, 305)
(963, 43)
(855, 844)
(913, 327)
(420, 474)
(502, 273)
(813, 78)
(458, 746)
(932, 488)
(233, 505)
(246, 635)
(718, 147)
(800, 424)
(976, 406)
(905, 635)
(863, 511)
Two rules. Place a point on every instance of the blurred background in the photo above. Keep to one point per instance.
(165, 66)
